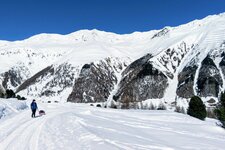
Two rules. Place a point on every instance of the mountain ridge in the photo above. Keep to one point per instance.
(124, 34)
(176, 52)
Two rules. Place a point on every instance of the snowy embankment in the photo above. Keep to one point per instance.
(10, 106)
(79, 126)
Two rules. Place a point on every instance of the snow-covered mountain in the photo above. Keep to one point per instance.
(171, 64)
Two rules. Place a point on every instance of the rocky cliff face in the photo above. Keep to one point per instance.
(15, 76)
(51, 81)
(185, 88)
(205, 77)
(146, 78)
(222, 64)
(141, 81)
(209, 80)
(34, 79)
(123, 82)
(96, 81)
(2, 91)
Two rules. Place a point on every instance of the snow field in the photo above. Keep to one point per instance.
(80, 126)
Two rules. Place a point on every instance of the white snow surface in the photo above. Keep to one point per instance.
(82, 127)
(11, 106)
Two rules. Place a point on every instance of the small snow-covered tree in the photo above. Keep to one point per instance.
(180, 109)
(183, 111)
(177, 109)
(113, 104)
(145, 106)
(210, 113)
(152, 107)
(161, 106)
(10, 93)
(126, 103)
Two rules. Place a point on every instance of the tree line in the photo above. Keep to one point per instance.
(11, 94)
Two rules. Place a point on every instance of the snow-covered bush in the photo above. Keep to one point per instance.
(211, 113)
(152, 106)
(180, 109)
(161, 106)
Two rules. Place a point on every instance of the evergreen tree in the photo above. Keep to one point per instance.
(220, 110)
(2, 95)
(196, 108)
(23, 98)
(10, 94)
(18, 97)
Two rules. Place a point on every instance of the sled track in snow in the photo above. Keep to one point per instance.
(22, 131)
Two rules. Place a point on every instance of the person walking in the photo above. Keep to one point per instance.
(33, 107)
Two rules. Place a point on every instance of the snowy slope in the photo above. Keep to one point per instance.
(100, 44)
(11, 107)
(77, 126)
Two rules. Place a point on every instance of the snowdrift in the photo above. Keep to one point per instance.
(11, 106)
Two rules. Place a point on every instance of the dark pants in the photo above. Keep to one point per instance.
(33, 113)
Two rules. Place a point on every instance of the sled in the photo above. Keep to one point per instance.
(41, 112)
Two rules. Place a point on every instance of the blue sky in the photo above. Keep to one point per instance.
(20, 19)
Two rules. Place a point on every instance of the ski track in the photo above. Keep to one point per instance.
(28, 129)
(79, 126)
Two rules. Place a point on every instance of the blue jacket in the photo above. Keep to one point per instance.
(33, 105)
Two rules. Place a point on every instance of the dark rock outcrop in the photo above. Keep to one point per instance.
(186, 82)
(63, 77)
(50, 81)
(2, 91)
(95, 82)
(209, 79)
(34, 78)
(141, 81)
(15, 76)
(172, 57)
(222, 64)
(161, 33)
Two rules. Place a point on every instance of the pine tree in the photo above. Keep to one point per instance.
(220, 110)
(10, 93)
(196, 108)
(18, 97)
(2, 95)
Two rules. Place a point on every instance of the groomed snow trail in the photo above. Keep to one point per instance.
(82, 127)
